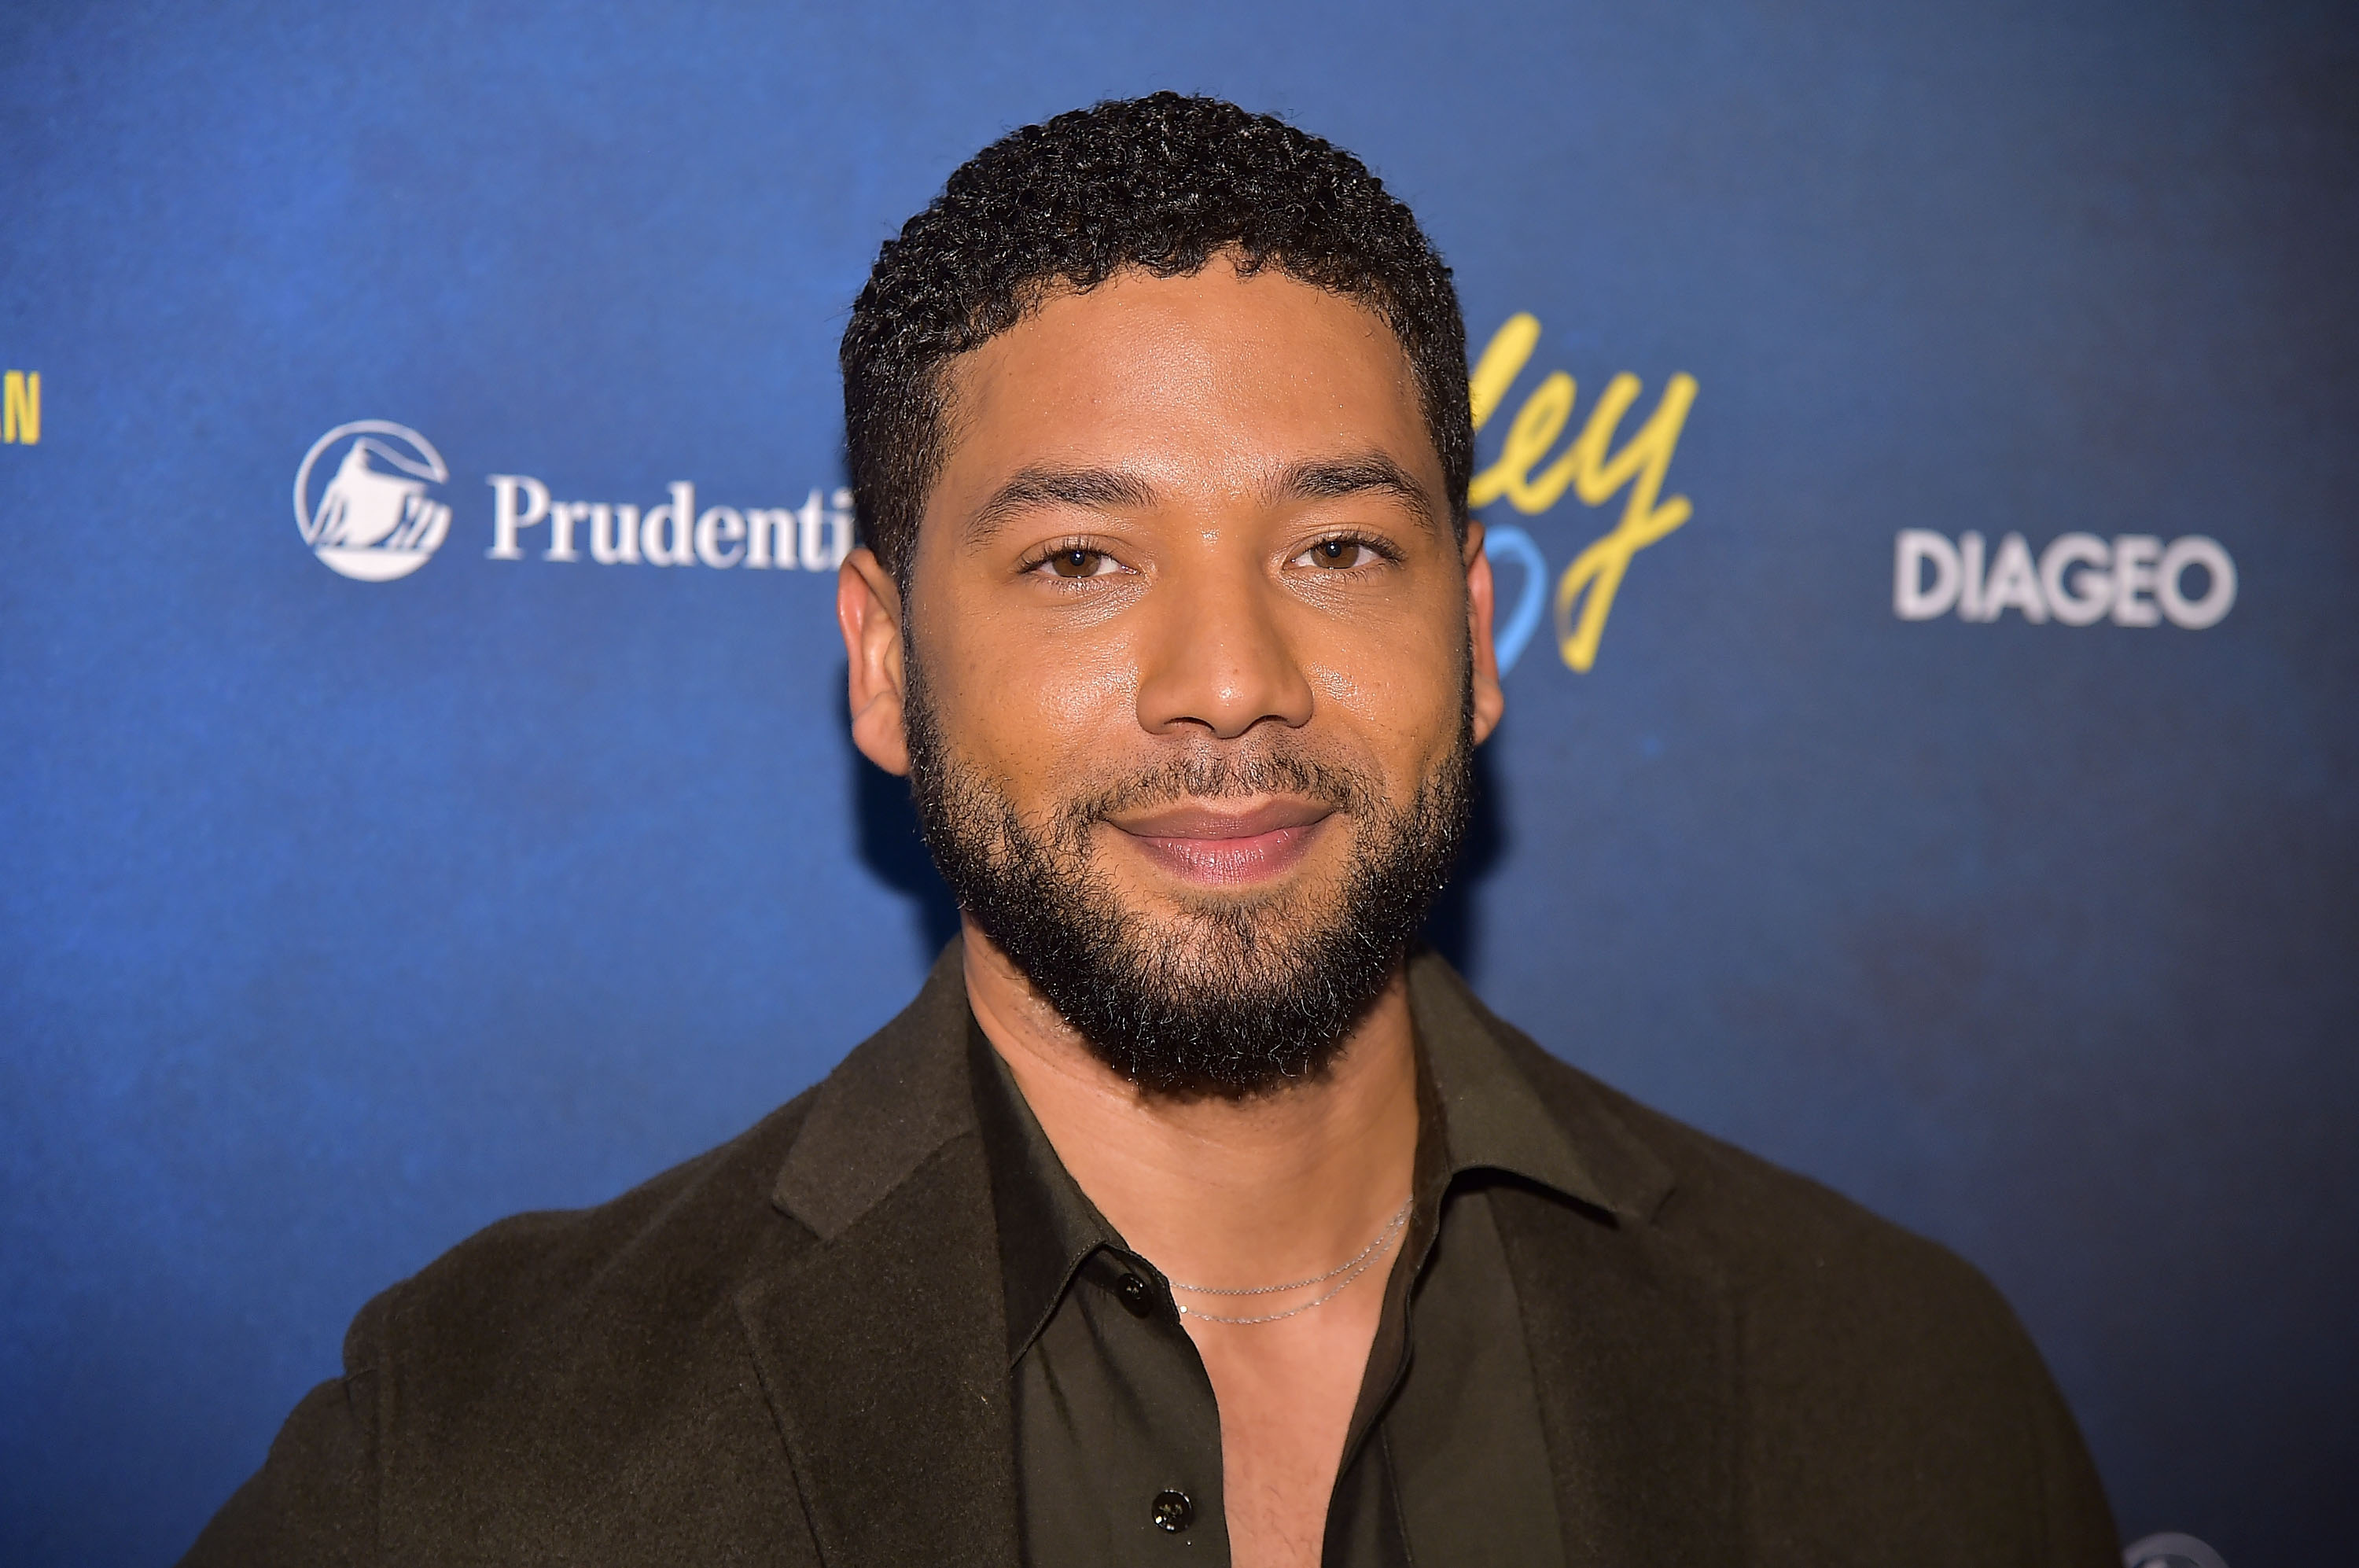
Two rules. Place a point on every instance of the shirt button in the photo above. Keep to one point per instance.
(1172, 1512)
(1140, 1298)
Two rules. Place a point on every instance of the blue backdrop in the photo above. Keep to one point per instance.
(340, 917)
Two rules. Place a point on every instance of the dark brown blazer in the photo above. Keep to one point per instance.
(789, 1351)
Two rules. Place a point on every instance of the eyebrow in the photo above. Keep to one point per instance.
(1090, 489)
(1331, 479)
(1106, 489)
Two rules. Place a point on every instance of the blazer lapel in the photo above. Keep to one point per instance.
(1631, 1335)
(1633, 1350)
(882, 1346)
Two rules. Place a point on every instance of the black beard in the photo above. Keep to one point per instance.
(1248, 994)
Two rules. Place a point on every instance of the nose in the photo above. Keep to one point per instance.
(1217, 659)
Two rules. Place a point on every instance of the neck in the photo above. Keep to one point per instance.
(1215, 1191)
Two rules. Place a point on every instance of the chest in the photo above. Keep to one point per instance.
(1387, 1434)
(1285, 1391)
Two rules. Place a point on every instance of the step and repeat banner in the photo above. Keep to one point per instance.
(1919, 444)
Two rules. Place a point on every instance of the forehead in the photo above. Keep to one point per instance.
(1204, 372)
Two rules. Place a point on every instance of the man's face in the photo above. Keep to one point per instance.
(1192, 664)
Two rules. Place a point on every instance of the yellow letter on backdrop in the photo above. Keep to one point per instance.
(20, 407)
(1587, 468)
(1501, 362)
(1537, 424)
(1641, 466)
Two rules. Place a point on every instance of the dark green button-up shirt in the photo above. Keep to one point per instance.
(1118, 1436)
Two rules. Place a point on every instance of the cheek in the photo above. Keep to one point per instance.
(1399, 689)
(1085, 692)
(1033, 709)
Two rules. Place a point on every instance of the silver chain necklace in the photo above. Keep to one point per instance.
(1351, 1269)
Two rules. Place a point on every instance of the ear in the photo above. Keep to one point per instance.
(1489, 701)
(868, 608)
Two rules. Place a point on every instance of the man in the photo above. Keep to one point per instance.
(1190, 1212)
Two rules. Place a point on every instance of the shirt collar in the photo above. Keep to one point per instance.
(1047, 1226)
(1480, 1114)
(1509, 1106)
(1490, 1117)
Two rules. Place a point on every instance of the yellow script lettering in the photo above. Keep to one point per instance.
(1501, 362)
(1587, 467)
(1537, 424)
(1599, 569)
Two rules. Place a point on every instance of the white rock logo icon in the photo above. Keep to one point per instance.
(373, 518)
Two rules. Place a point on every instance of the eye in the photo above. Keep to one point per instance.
(1077, 562)
(1339, 554)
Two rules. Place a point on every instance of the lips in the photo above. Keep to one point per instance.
(1198, 841)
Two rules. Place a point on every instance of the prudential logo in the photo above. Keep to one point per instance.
(361, 500)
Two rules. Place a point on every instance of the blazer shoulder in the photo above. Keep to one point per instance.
(560, 1387)
(1874, 1357)
(633, 1307)
(1756, 1218)
(675, 1240)
(1822, 1283)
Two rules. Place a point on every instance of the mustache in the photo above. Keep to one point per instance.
(1224, 775)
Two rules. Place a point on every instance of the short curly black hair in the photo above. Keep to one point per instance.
(1161, 184)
